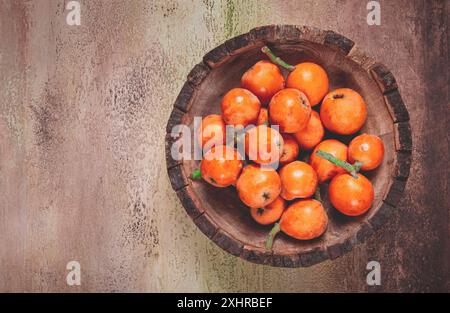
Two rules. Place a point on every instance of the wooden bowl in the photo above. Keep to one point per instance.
(220, 214)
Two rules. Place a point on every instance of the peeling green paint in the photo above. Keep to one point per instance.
(229, 18)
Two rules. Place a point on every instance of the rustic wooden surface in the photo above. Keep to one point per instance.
(82, 129)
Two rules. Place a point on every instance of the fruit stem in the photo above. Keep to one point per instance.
(357, 165)
(317, 195)
(276, 60)
(352, 169)
(273, 232)
(196, 174)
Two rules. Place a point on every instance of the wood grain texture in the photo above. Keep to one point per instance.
(82, 130)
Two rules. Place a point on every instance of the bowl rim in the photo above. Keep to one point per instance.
(292, 34)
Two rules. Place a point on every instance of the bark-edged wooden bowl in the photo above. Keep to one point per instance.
(220, 214)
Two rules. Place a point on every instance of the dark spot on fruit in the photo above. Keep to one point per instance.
(338, 96)
(260, 211)
(266, 195)
(212, 180)
(303, 101)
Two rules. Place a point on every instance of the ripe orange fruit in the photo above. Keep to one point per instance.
(240, 107)
(324, 168)
(270, 213)
(312, 134)
(343, 111)
(304, 220)
(367, 149)
(290, 109)
(264, 79)
(311, 79)
(263, 144)
(212, 132)
(221, 166)
(257, 187)
(263, 117)
(290, 149)
(351, 196)
(298, 180)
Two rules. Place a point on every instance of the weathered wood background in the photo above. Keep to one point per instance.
(82, 174)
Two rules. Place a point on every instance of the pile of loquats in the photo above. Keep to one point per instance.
(301, 105)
